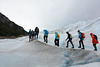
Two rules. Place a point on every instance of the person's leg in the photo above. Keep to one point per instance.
(72, 43)
(82, 44)
(67, 44)
(46, 39)
(95, 47)
(37, 36)
(79, 44)
(57, 42)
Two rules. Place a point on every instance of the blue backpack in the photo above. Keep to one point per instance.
(46, 32)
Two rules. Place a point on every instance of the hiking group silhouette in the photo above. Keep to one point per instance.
(33, 34)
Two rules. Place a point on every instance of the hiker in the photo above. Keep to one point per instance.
(37, 32)
(29, 33)
(46, 36)
(69, 40)
(81, 36)
(57, 37)
(94, 41)
(33, 34)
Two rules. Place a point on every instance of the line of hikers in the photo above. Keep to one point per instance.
(69, 38)
(57, 37)
(33, 34)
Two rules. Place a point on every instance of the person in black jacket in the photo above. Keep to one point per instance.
(30, 35)
(69, 40)
(37, 32)
(33, 34)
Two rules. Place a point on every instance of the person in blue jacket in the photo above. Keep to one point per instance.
(81, 40)
(57, 37)
(46, 36)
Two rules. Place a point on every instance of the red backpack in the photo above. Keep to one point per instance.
(83, 35)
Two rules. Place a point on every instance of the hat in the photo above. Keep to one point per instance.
(78, 31)
(91, 33)
(67, 32)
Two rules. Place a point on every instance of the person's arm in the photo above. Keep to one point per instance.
(67, 37)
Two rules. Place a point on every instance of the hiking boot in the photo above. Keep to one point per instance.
(82, 48)
(79, 47)
(95, 50)
(72, 47)
(66, 46)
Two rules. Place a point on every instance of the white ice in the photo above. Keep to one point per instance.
(21, 53)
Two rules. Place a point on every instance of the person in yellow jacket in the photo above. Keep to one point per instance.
(57, 37)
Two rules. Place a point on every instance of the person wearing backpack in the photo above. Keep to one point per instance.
(30, 34)
(69, 39)
(37, 32)
(46, 36)
(57, 37)
(33, 34)
(94, 41)
(81, 37)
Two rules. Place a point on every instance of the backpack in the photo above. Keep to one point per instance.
(71, 36)
(95, 37)
(33, 33)
(46, 32)
(83, 35)
(58, 35)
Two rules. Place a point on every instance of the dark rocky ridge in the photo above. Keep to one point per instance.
(9, 28)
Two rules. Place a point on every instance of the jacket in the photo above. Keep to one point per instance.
(80, 36)
(94, 41)
(30, 33)
(69, 37)
(56, 35)
(45, 33)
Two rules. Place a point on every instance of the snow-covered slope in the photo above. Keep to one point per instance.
(85, 26)
(39, 54)
(21, 53)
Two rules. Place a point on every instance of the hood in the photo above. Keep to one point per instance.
(91, 34)
(55, 32)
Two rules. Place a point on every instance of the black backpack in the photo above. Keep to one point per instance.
(33, 33)
(95, 37)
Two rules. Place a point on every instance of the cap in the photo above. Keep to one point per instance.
(78, 31)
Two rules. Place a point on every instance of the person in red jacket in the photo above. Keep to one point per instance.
(94, 41)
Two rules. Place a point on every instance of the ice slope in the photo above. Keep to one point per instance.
(85, 26)
(81, 25)
(10, 44)
(39, 54)
(21, 53)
